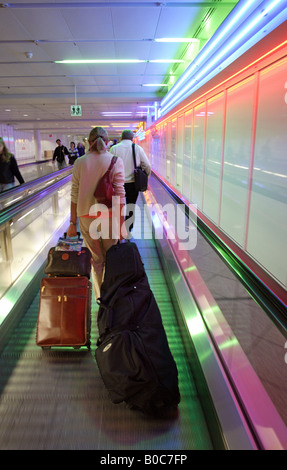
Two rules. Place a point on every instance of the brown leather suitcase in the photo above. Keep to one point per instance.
(64, 317)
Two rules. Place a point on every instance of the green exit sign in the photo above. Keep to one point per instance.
(76, 110)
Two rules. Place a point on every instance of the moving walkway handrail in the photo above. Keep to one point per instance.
(271, 297)
(30, 199)
(24, 189)
(38, 162)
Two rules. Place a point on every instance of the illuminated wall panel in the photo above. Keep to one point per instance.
(237, 147)
(198, 155)
(179, 153)
(24, 146)
(168, 150)
(267, 234)
(155, 154)
(187, 150)
(163, 150)
(159, 155)
(225, 151)
(213, 156)
(173, 152)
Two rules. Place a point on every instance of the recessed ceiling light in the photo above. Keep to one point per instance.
(120, 127)
(99, 61)
(166, 61)
(101, 126)
(154, 84)
(176, 40)
(7, 109)
(117, 61)
(116, 113)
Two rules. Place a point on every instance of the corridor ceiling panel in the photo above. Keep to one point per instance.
(37, 93)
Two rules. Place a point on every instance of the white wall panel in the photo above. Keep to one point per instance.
(213, 156)
(155, 155)
(187, 152)
(267, 234)
(173, 154)
(237, 148)
(168, 150)
(227, 155)
(163, 150)
(198, 155)
(24, 146)
(160, 158)
(179, 153)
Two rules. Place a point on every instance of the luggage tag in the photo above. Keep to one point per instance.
(69, 244)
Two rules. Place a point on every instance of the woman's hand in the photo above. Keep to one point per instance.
(72, 231)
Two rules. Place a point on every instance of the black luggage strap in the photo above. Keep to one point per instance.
(134, 155)
(120, 292)
(114, 331)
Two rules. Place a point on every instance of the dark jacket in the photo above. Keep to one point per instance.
(59, 153)
(8, 171)
(81, 151)
(73, 155)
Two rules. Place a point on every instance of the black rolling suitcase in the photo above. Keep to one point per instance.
(133, 354)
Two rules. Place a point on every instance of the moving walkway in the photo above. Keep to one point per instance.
(56, 399)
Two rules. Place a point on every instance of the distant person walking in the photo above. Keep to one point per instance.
(81, 149)
(124, 151)
(59, 154)
(73, 153)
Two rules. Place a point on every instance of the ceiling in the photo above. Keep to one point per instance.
(37, 93)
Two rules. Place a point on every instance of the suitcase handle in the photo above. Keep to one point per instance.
(78, 233)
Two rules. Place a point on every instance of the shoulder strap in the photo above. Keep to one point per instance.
(113, 161)
(134, 155)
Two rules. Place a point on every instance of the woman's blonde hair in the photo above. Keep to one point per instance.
(6, 155)
(98, 139)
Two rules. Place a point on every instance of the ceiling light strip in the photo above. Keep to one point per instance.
(188, 40)
(246, 35)
(99, 61)
(70, 5)
(232, 21)
(155, 84)
(119, 61)
(219, 86)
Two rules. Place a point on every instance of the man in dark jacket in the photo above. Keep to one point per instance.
(59, 155)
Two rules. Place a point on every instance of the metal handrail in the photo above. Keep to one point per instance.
(18, 207)
(24, 188)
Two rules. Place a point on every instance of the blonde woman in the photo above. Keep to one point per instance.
(96, 224)
(8, 168)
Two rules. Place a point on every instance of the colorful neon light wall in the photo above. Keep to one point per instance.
(226, 152)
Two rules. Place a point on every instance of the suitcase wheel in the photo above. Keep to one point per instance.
(46, 348)
(88, 345)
